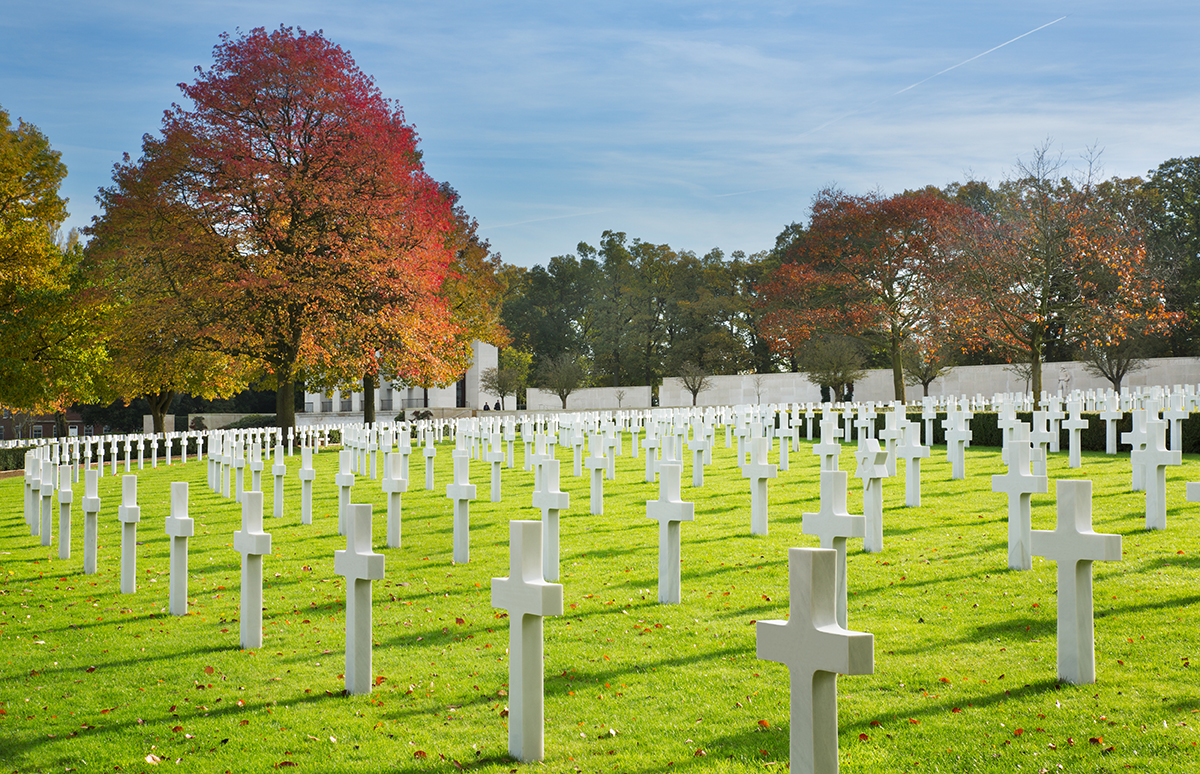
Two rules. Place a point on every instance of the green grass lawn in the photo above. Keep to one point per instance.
(964, 679)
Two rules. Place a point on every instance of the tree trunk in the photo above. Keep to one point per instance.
(285, 405)
(1035, 376)
(159, 403)
(368, 383)
(897, 370)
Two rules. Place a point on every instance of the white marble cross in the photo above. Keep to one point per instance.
(829, 450)
(91, 513)
(551, 501)
(651, 447)
(1006, 422)
(1153, 459)
(527, 598)
(598, 465)
(65, 498)
(394, 484)
(699, 446)
(957, 436)
(758, 471)
(1076, 424)
(1137, 438)
(495, 456)
(815, 648)
(833, 524)
(1111, 415)
(359, 565)
(179, 527)
(669, 510)
(1175, 414)
(279, 471)
(307, 476)
(872, 469)
(253, 544)
(461, 493)
(430, 453)
(239, 469)
(345, 482)
(129, 514)
(33, 493)
(1074, 546)
(46, 529)
(1019, 484)
(890, 434)
(912, 452)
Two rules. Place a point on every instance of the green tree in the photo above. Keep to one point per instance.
(509, 377)
(50, 348)
(562, 375)
(1173, 239)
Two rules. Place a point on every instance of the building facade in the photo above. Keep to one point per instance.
(393, 397)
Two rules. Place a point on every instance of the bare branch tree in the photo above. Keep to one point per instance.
(695, 379)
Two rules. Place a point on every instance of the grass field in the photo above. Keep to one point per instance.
(964, 679)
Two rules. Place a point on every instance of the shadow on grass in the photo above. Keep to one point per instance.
(1009, 630)
(11, 747)
(141, 659)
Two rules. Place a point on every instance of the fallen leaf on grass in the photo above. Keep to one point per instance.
(764, 724)
(863, 737)
(420, 754)
(153, 759)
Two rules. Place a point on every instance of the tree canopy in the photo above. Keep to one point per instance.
(304, 237)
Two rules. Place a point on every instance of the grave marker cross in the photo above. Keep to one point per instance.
(179, 528)
(669, 510)
(815, 648)
(872, 469)
(359, 565)
(527, 598)
(1074, 546)
(1153, 459)
(832, 524)
(461, 493)
(758, 471)
(1019, 484)
(91, 513)
(394, 484)
(552, 501)
(252, 543)
(128, 513)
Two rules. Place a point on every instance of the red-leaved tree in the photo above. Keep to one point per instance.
(1054, 262)
(312, 244)
(868, 267)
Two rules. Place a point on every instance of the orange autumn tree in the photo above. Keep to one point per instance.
(314, 245)
(1053, 262)
(868, 267)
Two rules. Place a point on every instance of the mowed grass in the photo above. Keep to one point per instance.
(965, 677)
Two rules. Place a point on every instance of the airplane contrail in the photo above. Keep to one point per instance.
(551, 217)
(985, 53)
(924, 80)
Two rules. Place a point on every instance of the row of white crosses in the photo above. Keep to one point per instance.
(812, 650)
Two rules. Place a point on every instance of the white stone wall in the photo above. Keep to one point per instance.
(963, 380)
(589, 398)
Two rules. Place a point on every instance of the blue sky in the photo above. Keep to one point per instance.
(697, 124)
